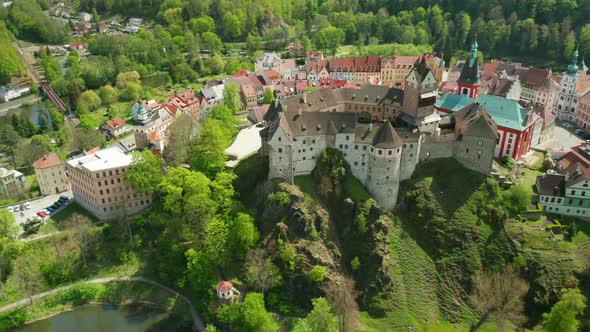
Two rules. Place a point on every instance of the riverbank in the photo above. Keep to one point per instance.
(116, 292)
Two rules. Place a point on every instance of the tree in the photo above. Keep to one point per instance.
(232, 26)
(231, 97)
(145, 172)
(8, 142)
(330, 38)
(82, 233)
(214, 65)
(269, 96)
(320, 319)
(130, 92)
(208, 155)
(341, 294)
(107, 94)
(317, 274)
(8, 65)
(260, 271)
(249, 316)
(183, 133)
(565, 314)
(9, 245)
(27, 276)
(244, 234)
(89, 138)
(202, 24)
(255, 316)
(517, 198)
(498, 295)
(123, 79)
(568, 46)
(210, 41)
(88, 101)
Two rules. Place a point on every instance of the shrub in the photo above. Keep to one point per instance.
(280, 199)
(287, 253)
(517, 198)
(317, 274)
(12, 319)
(508, 161)
(355, 264)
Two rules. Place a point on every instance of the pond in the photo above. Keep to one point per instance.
(109, 318)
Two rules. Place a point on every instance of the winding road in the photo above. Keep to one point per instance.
(197, 322)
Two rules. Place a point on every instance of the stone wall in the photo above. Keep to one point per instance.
(475, 153)
(383, 177)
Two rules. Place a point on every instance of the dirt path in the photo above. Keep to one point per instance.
(197, 322)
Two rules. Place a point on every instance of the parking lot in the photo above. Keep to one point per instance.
(38, 205)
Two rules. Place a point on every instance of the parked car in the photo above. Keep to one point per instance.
(27, 205)
(22, 207)
(15, 208)
(64, 198)
(42, 214)
(579, 131)
(50, 209)
(58, 204)
(10, 209)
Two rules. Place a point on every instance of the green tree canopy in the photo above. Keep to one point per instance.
(565, 314)
(330, 38)
(145, 172)
(320, 319)
(231, 97)
(107, 94)
(88, 101)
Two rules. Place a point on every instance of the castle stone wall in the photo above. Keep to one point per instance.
(383, 178)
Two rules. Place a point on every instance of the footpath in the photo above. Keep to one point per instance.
(197, 322)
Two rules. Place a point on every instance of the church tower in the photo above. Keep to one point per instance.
(468, 83)
(567, 98)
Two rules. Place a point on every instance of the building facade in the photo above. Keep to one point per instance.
(97, 184)
(574, 84)
(12, 183)
(51, 175)
(359, 124)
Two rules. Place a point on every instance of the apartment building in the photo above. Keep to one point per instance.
(12, 183)
(51, 175)
(98, 186)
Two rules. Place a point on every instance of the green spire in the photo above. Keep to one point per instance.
(572, 69)
(473, 56)
(583, 65)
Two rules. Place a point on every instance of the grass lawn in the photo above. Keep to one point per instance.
(306, 184)
(95, 119)
(354, 189)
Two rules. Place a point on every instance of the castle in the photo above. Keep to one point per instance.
(382, 132)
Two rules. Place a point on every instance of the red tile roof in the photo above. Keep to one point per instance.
(171, 108)
(115, 123)
(242, 73)
(272, 75)
(224, 286)
(48, 160)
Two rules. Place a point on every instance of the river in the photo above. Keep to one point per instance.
(109, 318)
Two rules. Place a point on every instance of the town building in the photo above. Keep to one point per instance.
(574, 85)
(538, 87)
(583, 112)
(267, 61)
(51, 175)
(114, 128)
(214, 96)
(468, 83)
(567, 191)
(359, 123)
(12, 183)
(187, 101)
(98, 185)
(10, 92)
(226, 292)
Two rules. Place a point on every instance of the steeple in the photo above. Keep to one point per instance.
(583, 65)
(572, 69)
(468, 82)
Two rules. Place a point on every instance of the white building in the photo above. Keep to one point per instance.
(12, 92)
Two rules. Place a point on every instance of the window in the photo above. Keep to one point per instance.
(341, 146)
(112, 181)
(279, 139)
(280, 150)
(110, 173)
(480, 141)
(573, 192)
(365, 148)
(389, 152)
(313, 141)
(466, 150)
(347, 138)
(380, 152)
(101, 191)
(356, 147)
(356, 163)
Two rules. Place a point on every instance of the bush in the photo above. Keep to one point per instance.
(355, 264)
(12, 319)
(317, 274)
(280, 199)
(508, 161)
(517, 198)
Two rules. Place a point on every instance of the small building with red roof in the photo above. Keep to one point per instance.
(114, 128)
(226, 291)
(51, 174)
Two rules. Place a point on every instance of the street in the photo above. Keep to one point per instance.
(38, 205)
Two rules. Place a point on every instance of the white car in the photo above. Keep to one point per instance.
(27, 205)
(16, 209)
(10, 209)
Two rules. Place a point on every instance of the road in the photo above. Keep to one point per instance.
(38, 205)
(28, 61)
(5, 107)
(197, 322)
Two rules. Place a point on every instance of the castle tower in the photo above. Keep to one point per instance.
(468, 83)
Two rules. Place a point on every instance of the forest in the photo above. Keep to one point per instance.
(546, 28)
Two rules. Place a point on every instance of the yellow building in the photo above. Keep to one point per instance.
(51, 174)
